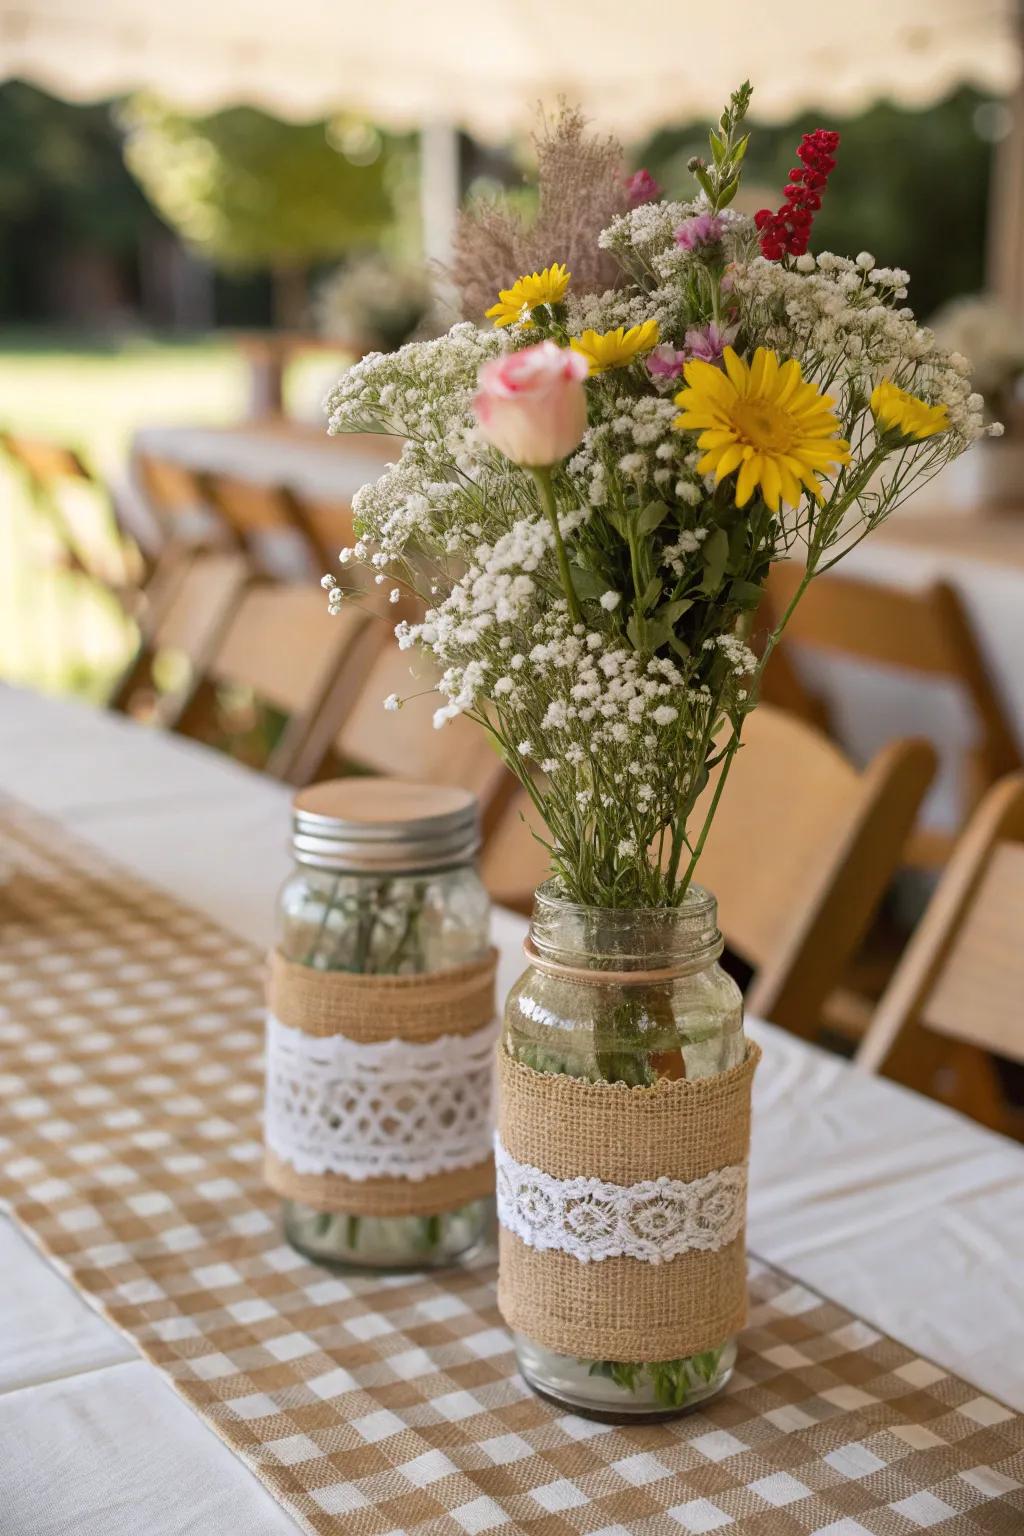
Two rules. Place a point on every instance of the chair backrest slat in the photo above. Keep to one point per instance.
(926, 631)
(978, 994)
(890, 626)
(47, 463)
(962, 974)
(404, 742)
(283, 644)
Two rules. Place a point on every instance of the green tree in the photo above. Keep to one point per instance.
(248, 191)
(64, 190)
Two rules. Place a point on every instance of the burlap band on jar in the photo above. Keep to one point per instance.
(623, 1308)
(430, 1014)
(369, 1008)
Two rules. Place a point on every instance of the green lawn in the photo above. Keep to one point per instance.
(57, 631)
(94, 395)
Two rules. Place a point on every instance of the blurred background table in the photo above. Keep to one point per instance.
(296, 454)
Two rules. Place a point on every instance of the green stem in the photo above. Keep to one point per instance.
(638, 586)
(547, 498)
(314, 948)
(730, 751)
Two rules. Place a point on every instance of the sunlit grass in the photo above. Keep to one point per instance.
(60, 631)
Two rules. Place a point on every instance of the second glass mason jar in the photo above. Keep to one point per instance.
(384, 885)
(690, 1026)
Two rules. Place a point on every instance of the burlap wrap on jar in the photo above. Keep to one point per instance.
(630, 1152)
(406, 1088)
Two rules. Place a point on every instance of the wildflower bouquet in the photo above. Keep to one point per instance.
(598, 472)
(651, 402)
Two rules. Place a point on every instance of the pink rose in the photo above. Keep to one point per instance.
(531, 405)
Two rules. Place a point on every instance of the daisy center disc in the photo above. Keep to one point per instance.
(762, 426)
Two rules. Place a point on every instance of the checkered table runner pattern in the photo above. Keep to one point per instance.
(130, 1042)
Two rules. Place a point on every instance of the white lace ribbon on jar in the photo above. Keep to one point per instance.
(590, 1219)
(378, 1109)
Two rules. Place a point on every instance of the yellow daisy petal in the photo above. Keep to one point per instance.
(527, 293)
(897, 411)
(618, 348)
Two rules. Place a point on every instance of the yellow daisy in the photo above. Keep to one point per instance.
(765, 420)
(547, 287)
(618, 348)
(895, 410)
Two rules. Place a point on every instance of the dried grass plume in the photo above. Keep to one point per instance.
(581, 188)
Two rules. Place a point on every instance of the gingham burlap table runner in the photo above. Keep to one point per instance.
(130, 1039)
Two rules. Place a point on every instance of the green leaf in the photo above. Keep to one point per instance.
(715, 553)
(656, 635)
(651, 593)
(680, 647)
(651, 517)
(617, 521)
(705, 182)
(746, 594)
(636, 630)
(670, 613)
(728, 192)
(717, 148)
(588, 583)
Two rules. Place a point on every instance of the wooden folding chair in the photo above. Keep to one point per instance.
(188, 525)
(181, 635)
(267, 521)
(80, 511)
(403, 742)
(326, 523)
(284, 648)
(799, 855)
(925, 632)
(957, 995)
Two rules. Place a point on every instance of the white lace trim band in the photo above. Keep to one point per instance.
(654, 1221)
(387, 1109)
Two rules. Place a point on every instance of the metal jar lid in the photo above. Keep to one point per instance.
(384, 826)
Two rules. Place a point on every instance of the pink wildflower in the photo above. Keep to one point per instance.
(665, 362)
(702, 229)
(641, 187)
(709, 342)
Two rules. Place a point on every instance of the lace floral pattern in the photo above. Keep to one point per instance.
(654, 1221)
(391, 1109)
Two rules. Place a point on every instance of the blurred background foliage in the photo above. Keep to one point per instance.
(135, 215)
(246, 191)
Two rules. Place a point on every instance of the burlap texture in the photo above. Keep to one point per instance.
(369, 1009)
(380, 1197)
(417, 1008)
(624, 1308)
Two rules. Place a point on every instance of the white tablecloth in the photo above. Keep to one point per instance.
(908, 1215)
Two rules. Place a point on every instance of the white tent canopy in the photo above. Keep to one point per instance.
(633, 65)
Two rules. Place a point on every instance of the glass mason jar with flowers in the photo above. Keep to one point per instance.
(588, 498)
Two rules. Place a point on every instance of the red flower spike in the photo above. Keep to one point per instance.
(787, 232)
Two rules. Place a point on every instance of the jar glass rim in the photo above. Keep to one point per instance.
(627, 938)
